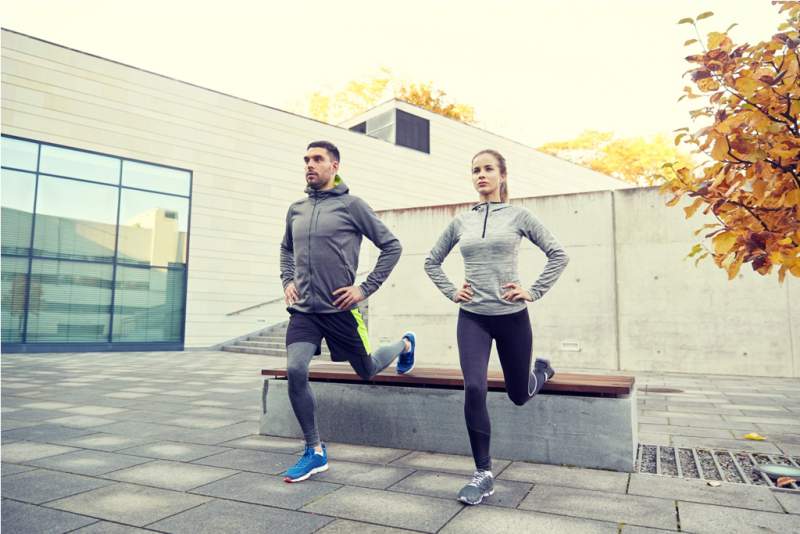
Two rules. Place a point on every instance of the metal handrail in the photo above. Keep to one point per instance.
(272, 301)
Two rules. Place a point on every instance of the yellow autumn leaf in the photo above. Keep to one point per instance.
(747, 86)
(759, 189)
(754, 436)
(793, 198)
(715, 39)
(720, 150)
(693, 207)
(723, 242)
(733, 268)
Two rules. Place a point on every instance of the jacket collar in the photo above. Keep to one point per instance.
(339, 188)
(494, 206)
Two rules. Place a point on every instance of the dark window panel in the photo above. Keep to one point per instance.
(413, 132)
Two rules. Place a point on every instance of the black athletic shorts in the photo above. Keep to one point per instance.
(344, 332)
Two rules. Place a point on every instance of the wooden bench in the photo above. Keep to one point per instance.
(578, 419)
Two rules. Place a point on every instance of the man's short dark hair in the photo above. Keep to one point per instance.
(327, 145)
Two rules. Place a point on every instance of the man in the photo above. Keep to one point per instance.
(319, 258)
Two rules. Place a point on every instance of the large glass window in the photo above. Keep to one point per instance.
(109, 257)
(15, 284)
(79, 164)
(19, 154)
(18, 190)
(148, 304)
(69, 301)
(153, 228)
(155, 178)
(75, 219)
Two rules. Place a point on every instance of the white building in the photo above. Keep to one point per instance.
(142, 212)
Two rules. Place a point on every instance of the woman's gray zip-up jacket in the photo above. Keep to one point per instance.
(489, 236)
(320, 247)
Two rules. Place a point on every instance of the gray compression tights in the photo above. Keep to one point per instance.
(300, 394)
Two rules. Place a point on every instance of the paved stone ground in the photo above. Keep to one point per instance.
(167, 442)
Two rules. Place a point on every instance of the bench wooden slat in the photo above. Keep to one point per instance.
(562, 382)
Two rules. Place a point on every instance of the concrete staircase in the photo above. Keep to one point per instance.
(269, 342)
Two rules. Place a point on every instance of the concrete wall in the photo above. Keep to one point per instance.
(246, 160)
(627, 301)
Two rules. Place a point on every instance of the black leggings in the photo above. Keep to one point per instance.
(514, 339)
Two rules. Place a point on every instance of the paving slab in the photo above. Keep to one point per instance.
(271, 463)
(104, 527)
(681, 489)
(173, 450)
(42, 485)
(89, 409)
(603, 506)
(45, 433)
(267, 443)
(413, 512)
(573, 477)
(26, 451)
(362, 475)
(7, 469)
(221, 517)
(129, 504)
(23, 518)
(507, 494)
(711, 519)
(267, 490)
(790, 501)
(199, 422)
(364, 453)
(344, 526)
(631, 529)
(220, 435)
(165, 474)
(700, 432)
(103, 442)
(504, 521)
(732, 444)
(86, 462)
(449, 463)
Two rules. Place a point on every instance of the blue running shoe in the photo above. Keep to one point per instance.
(309, 464)
(405, 362)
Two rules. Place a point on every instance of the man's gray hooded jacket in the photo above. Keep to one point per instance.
(320, 247)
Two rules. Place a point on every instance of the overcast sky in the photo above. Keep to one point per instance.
(535, 71)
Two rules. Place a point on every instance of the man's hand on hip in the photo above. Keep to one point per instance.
(347, 296)
(290, 295)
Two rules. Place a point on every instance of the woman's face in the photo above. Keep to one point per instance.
(486, 177)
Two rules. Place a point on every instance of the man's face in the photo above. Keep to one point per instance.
(320, 168)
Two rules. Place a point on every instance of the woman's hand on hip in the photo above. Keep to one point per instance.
(464, 294)
(514, 292)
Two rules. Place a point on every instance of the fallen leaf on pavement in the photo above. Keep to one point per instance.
(754, 436)
(784, 481)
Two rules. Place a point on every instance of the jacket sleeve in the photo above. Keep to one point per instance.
(557, 258)
(287, 252)
(433, 263)
(373, 228)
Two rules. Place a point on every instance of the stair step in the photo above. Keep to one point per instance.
(265, 351)
(261, 344)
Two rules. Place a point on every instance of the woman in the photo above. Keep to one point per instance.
(493, 303)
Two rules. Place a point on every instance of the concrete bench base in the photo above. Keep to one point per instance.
(585, 431)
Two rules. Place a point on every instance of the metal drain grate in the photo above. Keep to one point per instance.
(710, 464)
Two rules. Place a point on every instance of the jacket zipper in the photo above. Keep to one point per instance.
(486, 218)
(310, 263)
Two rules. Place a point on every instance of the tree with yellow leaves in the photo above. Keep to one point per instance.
(751, 180)
(638, 160)
(358, 96)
